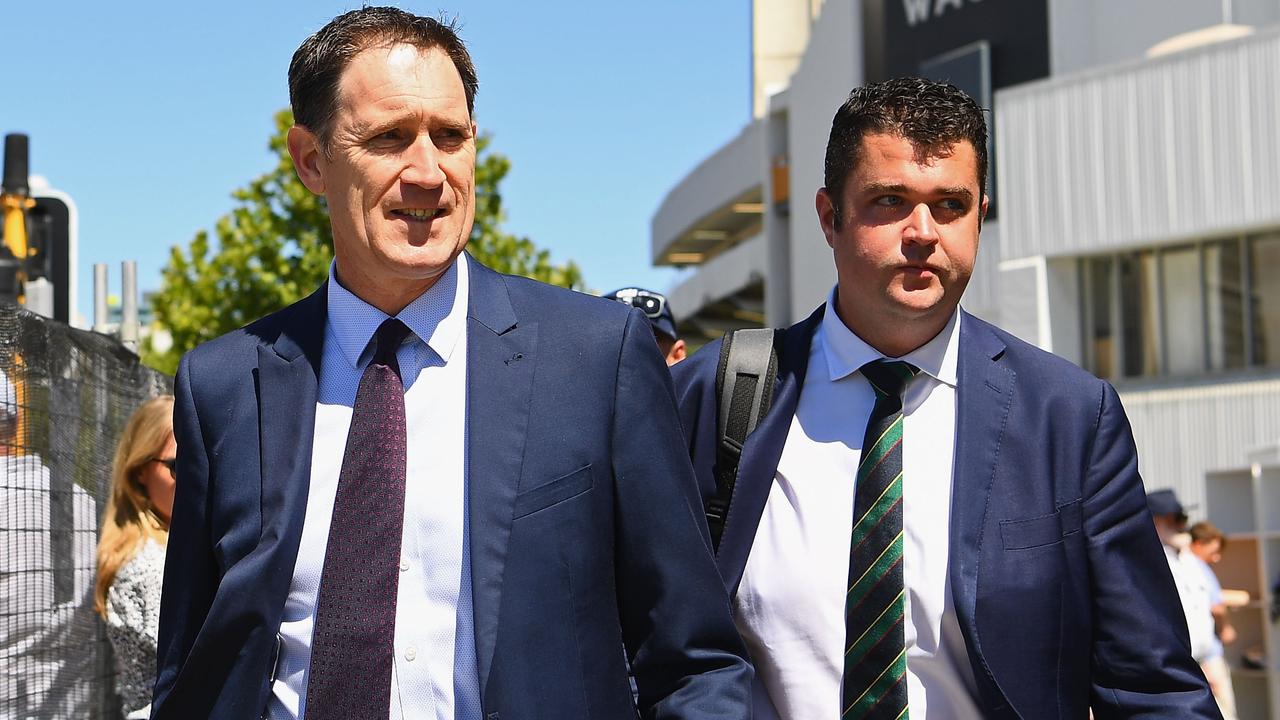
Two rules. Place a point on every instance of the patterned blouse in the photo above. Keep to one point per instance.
(133, 620)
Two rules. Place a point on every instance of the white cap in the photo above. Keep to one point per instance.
(8, 396)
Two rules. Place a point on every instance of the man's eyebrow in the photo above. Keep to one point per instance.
(379, 120)
(460, 125)
(961, 192)
(363, 127)
(876, 188)
(360, 127)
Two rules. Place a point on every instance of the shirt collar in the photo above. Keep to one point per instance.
(846, 352)
(436, 316)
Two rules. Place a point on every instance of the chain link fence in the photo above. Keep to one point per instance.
(67, 395)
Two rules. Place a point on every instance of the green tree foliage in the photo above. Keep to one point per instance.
(275, 245)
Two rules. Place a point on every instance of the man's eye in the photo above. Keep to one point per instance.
(888, 201)
(388, 136)
(449, 138)
(953, 205)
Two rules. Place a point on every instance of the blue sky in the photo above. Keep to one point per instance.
(149, 114)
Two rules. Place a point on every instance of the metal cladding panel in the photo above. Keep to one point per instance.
(1144, 154)
(1019, 292)
(1184, 433)
(733, 169)
(720, 277)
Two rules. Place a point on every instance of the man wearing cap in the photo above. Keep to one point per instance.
(656, 308)
(1170, 519)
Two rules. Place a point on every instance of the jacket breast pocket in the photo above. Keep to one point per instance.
(565, 487)
(1039, 531)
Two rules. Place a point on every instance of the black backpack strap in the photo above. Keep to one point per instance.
(744, 391)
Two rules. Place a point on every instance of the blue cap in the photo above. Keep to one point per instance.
(653, 304)
(1165, 502)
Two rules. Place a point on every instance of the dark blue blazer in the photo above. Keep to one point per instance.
(1059, 583)
(585, 524)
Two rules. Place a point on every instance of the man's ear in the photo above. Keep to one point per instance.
(679, 351)
(304, 148)
(982, 209)
(827, 215)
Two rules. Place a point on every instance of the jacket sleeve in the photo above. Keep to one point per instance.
(695, 383)
(1142, 665)
(190, 573)
(686, 654)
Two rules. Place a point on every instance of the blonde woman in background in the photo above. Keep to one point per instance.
(135, 531)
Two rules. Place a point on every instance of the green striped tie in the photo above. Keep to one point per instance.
(875, 655)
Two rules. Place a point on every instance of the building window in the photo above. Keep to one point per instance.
(1182, 310)
(1264, 298)
(1139, 303)
(1100, 342)
(1209, 306)
(1224, 304)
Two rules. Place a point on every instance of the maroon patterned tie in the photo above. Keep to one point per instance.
(352, 644)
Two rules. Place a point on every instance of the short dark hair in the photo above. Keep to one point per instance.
(931, 115)
(318, 63)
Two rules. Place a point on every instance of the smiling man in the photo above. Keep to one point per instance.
(401, 497)
(934, 519)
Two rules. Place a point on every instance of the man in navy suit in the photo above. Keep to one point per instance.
(935, 518)
(429, 490)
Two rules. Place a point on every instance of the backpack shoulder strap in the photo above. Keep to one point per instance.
(744, 391)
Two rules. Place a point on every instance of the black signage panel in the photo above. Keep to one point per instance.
(49, 231)
(977, 45)
(969, 68)
(899, 36)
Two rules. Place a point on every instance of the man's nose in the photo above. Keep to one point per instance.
(921, 227)
(422, 164)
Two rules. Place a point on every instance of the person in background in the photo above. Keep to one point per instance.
(1171, 524)
(1207, 543)
(135, 530)
(656, 308)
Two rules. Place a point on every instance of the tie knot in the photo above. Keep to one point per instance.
(387, 339)
(889, 377)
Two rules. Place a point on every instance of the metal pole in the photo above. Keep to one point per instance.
(129, 304)
(99, 298)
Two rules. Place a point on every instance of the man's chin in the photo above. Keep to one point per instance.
(917, 304)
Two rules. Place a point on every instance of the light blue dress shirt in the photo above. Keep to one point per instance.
(434, 673)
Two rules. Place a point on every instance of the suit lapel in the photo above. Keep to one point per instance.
(500, 362)
(287, 378)
(984, 392)
(762, 450)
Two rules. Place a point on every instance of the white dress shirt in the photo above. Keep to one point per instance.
(434, 672)
(1193, 591)
(790, 605)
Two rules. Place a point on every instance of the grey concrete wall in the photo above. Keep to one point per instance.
(831, 68)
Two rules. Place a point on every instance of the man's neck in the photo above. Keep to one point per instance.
(390, 297)
(893, 339)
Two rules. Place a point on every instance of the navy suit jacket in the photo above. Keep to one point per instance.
(1060, 586)
(585, 527)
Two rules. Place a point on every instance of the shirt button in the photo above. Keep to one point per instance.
(411, 653)
(404, 565)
